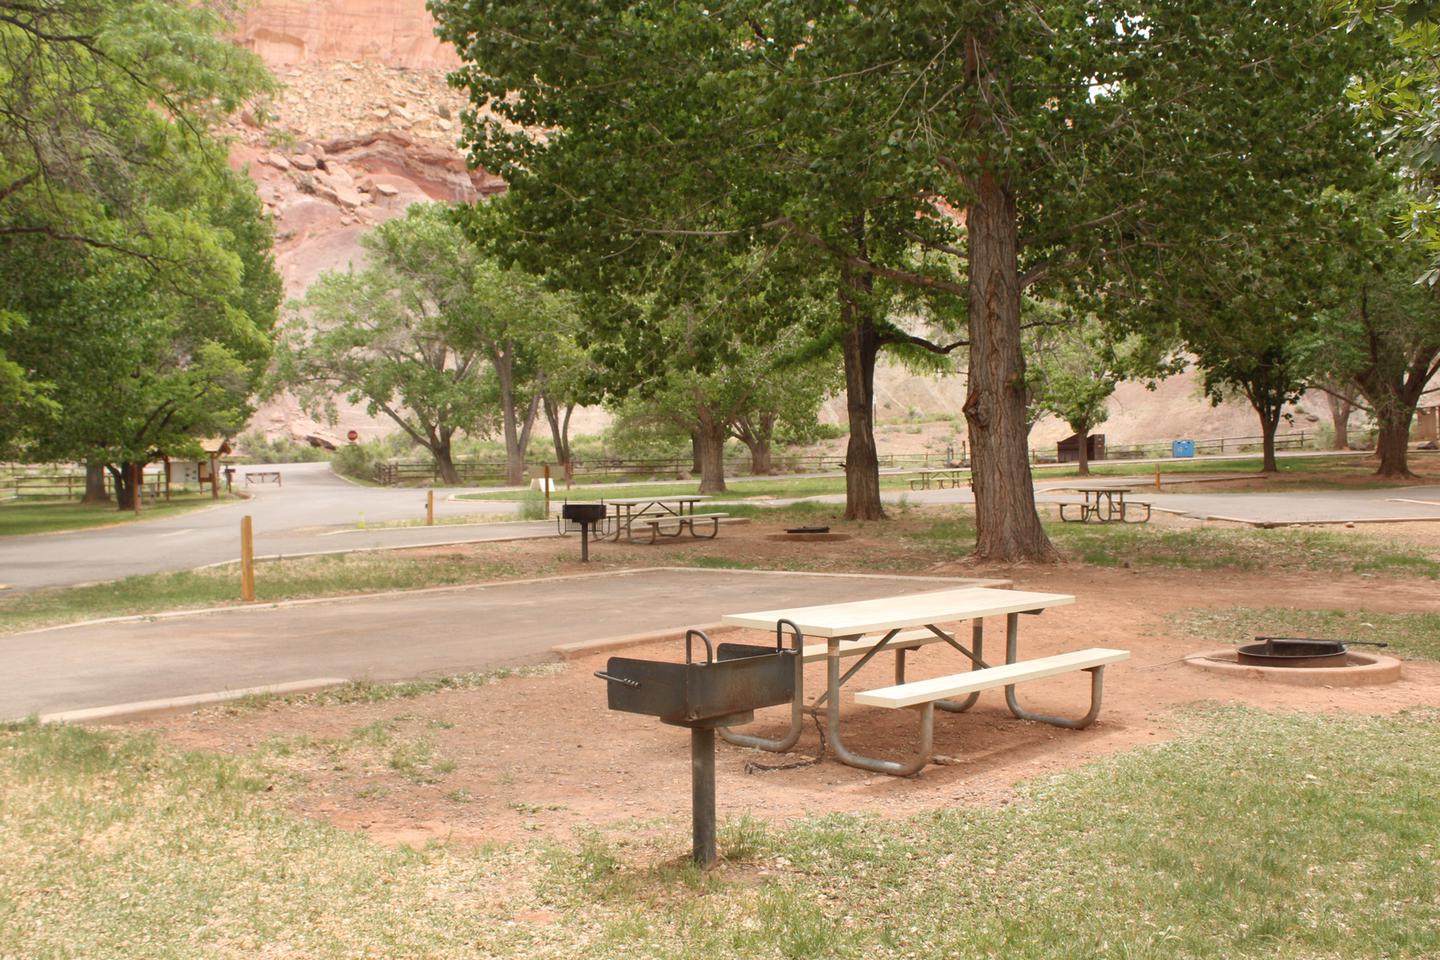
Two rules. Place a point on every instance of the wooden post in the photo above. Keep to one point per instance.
(1157, 476)
(547, 491)
(429, 508)
(247, 560)
(214, 478)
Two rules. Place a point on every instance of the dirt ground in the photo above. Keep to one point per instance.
(543, 755)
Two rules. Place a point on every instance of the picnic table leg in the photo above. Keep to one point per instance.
(977, 648)
(797, 705)
(845, 755)
(1097, 685)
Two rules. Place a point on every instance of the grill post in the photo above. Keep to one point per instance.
(702, 793)
(584, 542)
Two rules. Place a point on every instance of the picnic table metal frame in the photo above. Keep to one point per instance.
(624, 515)
(835, 680)
(1101, 504)
(940, 474)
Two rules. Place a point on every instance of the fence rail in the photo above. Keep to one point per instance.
(68, 485)
(647, 468)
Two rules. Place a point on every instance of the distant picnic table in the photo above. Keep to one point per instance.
(1104, 503)
(662, 517)
(940, 476)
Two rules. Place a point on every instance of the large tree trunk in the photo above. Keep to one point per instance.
(1008, 529)
(95, 491)
(697, 462)
(1341, 407)
(712, 435)
(444, 462)
(1083, 466)
(123, 477)
(760, 459)
(861, 343)
(517, 430)
(559, 420)
(1393, 443)
(758, 436)
(1269, 422)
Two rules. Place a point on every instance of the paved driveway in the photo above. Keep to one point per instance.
(305, 515)
(392, 637)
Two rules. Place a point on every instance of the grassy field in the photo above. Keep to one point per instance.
(19, 517)
(324, 576)
(1209, 548)
(113, 846)
(1409, 635)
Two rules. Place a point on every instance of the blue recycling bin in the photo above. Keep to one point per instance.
(1182, 448)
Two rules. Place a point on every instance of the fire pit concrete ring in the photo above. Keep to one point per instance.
(1360, 670)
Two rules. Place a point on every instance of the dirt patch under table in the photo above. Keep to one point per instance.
(542, 755)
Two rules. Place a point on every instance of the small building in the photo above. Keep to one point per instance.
(204, 471)
(1427, 424)
(1068, 450)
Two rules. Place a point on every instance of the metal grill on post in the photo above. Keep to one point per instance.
(720, 692)
(587, 515)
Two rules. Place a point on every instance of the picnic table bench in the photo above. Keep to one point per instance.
(866, 628)
(954, 475)
(662, 516)
(1104, 504)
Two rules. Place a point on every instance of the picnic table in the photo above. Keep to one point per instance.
(1105, 504)
(954, 475)
(663, 516)
(866, 628)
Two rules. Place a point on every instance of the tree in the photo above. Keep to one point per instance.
(103, 101)
(1076, 367)
(397, 334)
(965, 153)
(140, 360)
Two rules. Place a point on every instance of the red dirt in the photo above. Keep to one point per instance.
(544, 755)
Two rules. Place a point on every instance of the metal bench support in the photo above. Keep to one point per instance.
(895, 768)
(1097, 685)
(797, 704)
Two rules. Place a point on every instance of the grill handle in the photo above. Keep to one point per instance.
(690, 635)
(614, 679)
(799, 640)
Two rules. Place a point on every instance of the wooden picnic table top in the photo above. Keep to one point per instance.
(860, 617)
(636, 501)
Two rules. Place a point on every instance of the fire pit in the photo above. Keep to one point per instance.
(1300, 661)
(808, 535)
(1292, 652)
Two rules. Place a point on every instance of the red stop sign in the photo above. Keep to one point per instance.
(353, 435)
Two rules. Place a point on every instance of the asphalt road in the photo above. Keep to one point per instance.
(394, 636)
(311, 511)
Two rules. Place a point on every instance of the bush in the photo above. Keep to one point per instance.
(532, 507)
(358, 460)
(255, 447)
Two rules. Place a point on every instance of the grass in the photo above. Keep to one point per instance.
(20, 517)
(112, 845)
(1204, 548)
(1410, 635)
(331, 575)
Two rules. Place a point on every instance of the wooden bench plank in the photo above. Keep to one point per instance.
(942, 688)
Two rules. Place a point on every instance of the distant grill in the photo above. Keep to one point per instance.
(587, 515)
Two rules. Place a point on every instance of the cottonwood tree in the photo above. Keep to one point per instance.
(103, 102)
(1075, 367)
(396, 334)
(965, 152)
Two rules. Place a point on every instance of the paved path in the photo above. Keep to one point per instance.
(305, 515)
(391, 637)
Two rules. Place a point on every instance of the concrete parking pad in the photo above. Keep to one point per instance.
(393, 636)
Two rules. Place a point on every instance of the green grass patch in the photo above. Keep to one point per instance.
(1412, 635)
(1203, 548)
(331, 575)
(20, 517)
(112, 845)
